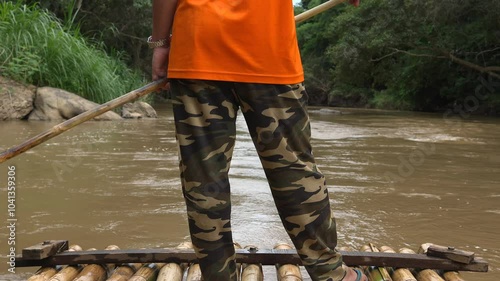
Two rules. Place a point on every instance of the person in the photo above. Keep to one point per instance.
(227, 55)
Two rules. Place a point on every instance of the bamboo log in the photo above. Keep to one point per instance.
(251, 272)
(452, 276)
(92, 272)
(424, 274)
(316, 10)
(95, 272)
(170, 272)
(398, 274)
(237, 246)
(428, 275)
(194, 273)
(69, 272)
(193, 269)
(77, 120)
(111, 266)
(375, 273)
(287, 272)
(44, 273)
(185, 246)
(124, 272)
(48, 273)
(147, 272)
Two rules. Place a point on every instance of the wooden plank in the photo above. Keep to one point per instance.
(262, 256)
(450, 253)
(45, 249)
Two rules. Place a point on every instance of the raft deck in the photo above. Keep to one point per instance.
(60, 262)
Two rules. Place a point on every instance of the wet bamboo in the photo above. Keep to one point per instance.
(110, 267)
(194, 273)
(423, 274)
(94, 272)
(251, 272)
(124, 272)
(375, 273)
(193, 269)
(69, 272)
(452, 276)
(287, 272)
(170, 272)
(184, 246)
(398, 274)
(428, 275)
(147, 272)
(44, 273)
(129, 97)
(48, 273)
(238, 265)
(91, 272)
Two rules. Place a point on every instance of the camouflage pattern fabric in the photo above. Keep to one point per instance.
(205, 114)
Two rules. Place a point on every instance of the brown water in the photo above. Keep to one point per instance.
(397, 179)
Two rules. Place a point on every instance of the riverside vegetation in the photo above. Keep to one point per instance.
(37, 48)
(420, 55)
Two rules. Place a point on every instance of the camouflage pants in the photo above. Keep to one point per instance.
(205, 114)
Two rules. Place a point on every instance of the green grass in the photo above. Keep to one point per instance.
(35, 48)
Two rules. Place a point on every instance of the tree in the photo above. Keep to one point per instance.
(407, 54)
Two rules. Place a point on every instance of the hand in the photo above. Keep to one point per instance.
(355, 3)
(159, 64)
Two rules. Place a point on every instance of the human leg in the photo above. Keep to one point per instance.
(205, 115)
(279, 124)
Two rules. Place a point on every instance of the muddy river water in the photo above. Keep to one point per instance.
(395, 178)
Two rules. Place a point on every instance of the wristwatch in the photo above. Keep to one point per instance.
(160, 43)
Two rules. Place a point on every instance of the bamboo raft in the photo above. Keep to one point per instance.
(60, 262)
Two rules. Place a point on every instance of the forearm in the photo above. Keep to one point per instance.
(163, 17)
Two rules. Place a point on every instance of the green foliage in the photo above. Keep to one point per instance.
(121, 25)
(37, 49)
(398, 53)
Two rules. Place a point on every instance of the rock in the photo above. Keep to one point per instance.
(138, 109)
(57, 104)
(16, 100)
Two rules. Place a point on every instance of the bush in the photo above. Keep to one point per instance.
(37, 49)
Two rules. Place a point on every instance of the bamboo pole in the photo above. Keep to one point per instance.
(44, 273)
(95, 272)
(428, 275)
(375, 273)
(423, 274)
(173, 271)
(287, 272)
(147, 272)
(170, 272)
(316, 10)
(398, 274)
(131, 96)
(124, 272)
(452, 276)
(77, 120)
(69, 272)
(50, 272)
(193, 269)
(251, 272)
(194, 273)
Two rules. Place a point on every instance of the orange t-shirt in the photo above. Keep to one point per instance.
(250, 41)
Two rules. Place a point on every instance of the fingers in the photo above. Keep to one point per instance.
(160, 63)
